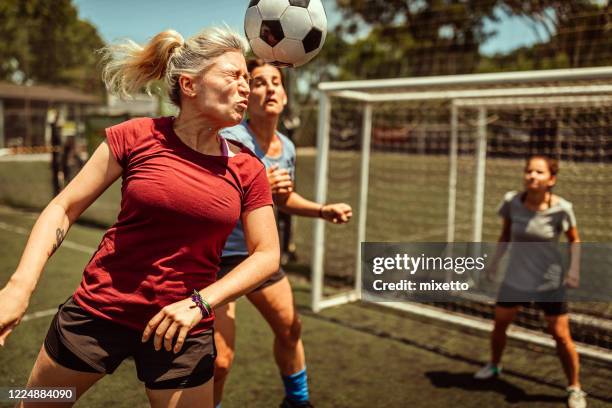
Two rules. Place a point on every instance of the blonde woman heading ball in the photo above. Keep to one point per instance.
(184, 188)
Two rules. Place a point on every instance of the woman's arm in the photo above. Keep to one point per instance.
(502, 246)
(49, 231)
(264, 260)
(573, 276)
(290, 202)
(262, 242)
(295, 204)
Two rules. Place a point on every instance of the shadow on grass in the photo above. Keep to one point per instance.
(466, 381)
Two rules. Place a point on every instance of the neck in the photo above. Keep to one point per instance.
(197, 132)
(264, 129)
(537, 197)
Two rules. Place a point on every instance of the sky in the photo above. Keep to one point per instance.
(139, 20)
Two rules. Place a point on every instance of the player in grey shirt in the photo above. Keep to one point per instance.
(533, 223)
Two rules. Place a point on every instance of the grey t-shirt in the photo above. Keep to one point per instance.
(236, 244)
(536, 266)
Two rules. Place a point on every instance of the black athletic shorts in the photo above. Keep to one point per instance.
(230, 262)
(555, 307)
(82, 342)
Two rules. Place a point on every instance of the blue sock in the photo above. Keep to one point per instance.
(218, 405)
(296, 386)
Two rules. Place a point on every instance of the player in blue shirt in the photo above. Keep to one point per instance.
(274, 298)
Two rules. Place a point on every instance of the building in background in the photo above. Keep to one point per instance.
(26, 112)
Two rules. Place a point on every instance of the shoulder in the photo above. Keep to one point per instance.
(245, 165)
(287, 143)
(511, 195)
(240, 133)
(137, 124)
(136, 129)
(562, 203)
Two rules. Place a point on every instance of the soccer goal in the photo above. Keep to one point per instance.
(429, 159)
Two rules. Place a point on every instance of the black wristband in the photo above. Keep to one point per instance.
(321, 211)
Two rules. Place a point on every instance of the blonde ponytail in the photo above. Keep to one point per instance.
(130, 67)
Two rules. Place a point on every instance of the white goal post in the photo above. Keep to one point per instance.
(478, 95)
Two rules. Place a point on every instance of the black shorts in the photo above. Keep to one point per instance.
(555, 306)
(82, 342)
(230, 262)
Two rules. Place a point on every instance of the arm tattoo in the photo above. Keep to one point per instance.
(59, 237)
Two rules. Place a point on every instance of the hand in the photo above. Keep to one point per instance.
(572, 280)
(280, 180)
(179, 317)
(339, 213)
(14, 305)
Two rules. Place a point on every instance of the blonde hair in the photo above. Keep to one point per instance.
(129, 67)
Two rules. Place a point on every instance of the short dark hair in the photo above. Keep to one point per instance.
(552, 163)
(253, 63)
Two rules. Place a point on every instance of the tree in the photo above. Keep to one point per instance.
(47, 43)
(579, 31)
(413, 38)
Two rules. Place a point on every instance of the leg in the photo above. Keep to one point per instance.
(200, 396)
(275, 303)
(48, 373)
(225, 341)
(558, 327)
(503, 317)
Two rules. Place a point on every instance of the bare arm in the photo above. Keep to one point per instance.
(338, 213)
(50, 230)
(295, 204)
(573, 276)
(502, 246)
(264, 260)
(290, 202)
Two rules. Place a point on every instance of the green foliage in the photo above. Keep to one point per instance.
(47, 43)
(412, 38)
(405, 38)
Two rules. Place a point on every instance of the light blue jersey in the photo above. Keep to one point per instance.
(236, 244)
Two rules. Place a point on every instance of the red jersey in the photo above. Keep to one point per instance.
(178, 207)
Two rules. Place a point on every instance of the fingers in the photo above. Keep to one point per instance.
(342, 213)
(281, 191)
(282, 187)
(160, 332)
(152, 325)
(179, 318)
(181, 339)
(5, 333)
(572, 282)
(169, 336)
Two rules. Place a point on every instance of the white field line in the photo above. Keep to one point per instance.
(39, 314)
(67, 244)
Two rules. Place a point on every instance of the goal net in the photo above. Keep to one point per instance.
(430, 159)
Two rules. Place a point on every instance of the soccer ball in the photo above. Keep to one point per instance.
(286, 33)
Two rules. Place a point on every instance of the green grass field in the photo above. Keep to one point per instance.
(358, 355)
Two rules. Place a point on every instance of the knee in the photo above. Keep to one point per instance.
(291, 333)
(223, 362)
(561, 337)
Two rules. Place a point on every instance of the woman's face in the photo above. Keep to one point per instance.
(221, 93)
(537, 176)
(268, 96)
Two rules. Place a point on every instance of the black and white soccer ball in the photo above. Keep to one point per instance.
(286, 33)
